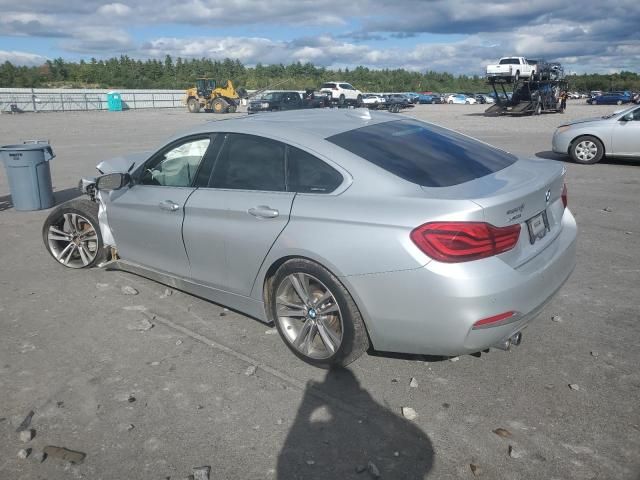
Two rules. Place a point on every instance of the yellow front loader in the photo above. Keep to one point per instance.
(208, 96)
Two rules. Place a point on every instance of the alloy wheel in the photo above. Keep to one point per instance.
(73, 240)
(309, 316)
(586, 150)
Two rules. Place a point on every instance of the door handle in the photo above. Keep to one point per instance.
(169, 206)
(262, 211)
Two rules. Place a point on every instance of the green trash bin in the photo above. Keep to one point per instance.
(29, 175)
(114, 101)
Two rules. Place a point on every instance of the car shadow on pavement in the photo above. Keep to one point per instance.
(549, 155)
(340, 431)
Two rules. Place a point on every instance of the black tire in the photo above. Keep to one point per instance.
(219, 105)
(450, 102)
(355, 340)
(516, 76)
(341, 100)
(86, 218)
(359, 101)
(193, 105)
(578, 151)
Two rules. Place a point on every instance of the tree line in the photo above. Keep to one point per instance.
(126, 72)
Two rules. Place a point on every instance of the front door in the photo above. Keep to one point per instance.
(625, 135)
(146, 219)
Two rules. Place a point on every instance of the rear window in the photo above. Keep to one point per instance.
(328, 85)
(510, 61)
(424, 154)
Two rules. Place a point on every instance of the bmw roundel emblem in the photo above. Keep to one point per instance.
(547, 196)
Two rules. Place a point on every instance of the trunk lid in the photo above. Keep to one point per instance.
(517, 194)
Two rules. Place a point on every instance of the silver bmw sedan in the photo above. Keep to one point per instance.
(348, 229)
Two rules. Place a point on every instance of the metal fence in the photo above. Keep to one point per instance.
(62, 100)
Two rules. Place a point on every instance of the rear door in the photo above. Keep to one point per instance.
(146, 219)
(241, 211)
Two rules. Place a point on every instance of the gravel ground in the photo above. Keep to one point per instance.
(152, 404)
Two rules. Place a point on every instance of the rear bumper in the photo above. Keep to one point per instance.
(431, 310)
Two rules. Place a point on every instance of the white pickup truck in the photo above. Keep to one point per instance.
(511, 69)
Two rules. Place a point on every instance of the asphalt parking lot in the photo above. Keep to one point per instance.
(155, 403)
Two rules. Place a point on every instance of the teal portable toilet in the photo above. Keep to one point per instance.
(114, 101)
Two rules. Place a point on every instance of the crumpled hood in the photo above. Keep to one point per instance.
(123, 163)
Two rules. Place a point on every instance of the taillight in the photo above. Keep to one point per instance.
(565, 200)
(453, 242)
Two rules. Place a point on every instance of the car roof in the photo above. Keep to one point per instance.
(318, 123)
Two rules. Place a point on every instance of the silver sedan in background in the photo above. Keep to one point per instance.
(588, 141)
(347, 229)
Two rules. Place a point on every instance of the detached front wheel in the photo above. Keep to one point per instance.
(71, 234)
(315, 315)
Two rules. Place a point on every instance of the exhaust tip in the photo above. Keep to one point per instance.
(514, 339)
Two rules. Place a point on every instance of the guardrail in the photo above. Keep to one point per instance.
(62, 100)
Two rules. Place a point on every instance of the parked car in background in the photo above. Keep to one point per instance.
(275, 101)
(342, 93)
(459, 244)
(588, 141)
(412, 96)
(481, 98)
(373, 100)
(488, 98)
(611, 98)
(429, 98)
(459, 98)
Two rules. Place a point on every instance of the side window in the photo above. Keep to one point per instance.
(176, 167)
(248, 162)
(636, 114)
(308, 174)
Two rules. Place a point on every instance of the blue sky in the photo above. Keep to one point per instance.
(457, 36)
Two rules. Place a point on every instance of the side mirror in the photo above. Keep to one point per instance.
(113, 181)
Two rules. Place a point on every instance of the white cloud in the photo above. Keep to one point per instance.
(596, 36)
(21, 58)
(115, 9)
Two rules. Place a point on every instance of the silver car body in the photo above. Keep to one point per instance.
(619, 133)
(210, 246)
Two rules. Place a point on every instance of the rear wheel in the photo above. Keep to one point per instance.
(450, 102)
(341, 99)
(220, 105)
(586, 150)
(359, 101)
(315, 315)
(71, 234)
(516, 76)
(193, 105)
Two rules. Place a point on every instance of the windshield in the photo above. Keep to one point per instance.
(422, 153)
